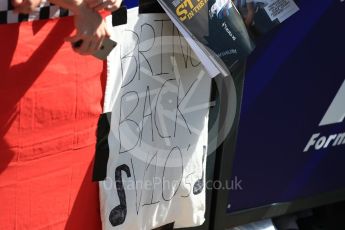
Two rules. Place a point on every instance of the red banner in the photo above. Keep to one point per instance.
(50, 101)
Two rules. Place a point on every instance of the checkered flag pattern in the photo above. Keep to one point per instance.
(44, 11)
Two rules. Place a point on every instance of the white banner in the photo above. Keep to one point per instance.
(158, 93)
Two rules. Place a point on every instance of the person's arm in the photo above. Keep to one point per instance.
(25, 6)
(109, 5)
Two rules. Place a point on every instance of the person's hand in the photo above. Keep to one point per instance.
(25, 6)
(109, 5)
(248, 20)
(91, 30)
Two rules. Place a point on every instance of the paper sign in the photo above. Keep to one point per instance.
(281, 9)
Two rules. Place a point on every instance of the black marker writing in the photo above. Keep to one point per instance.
(199, 184)
(147, 99)
(165, 172)
(148, 49)
(129, 55)
(118, 214)
(126, 120)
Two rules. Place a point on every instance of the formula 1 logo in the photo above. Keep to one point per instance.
(335, 114)
(336, 111)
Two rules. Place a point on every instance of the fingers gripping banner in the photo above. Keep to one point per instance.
(158, 94)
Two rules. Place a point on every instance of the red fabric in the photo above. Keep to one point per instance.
(50, 101)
